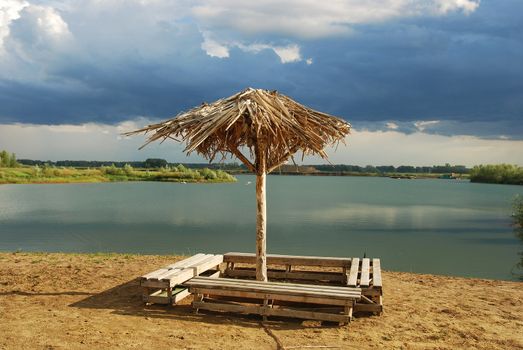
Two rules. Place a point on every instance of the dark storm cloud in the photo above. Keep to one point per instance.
(464, 71)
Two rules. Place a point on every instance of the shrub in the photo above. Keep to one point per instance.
(112, 170)
(180, 168)
(128, 169)
(208, 174)
(499, 173)
(518, 211)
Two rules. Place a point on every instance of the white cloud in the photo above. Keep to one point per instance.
(37, 36)
(467, 6)
(214, 48)
(92, 31)
(9, 11)
(392, 125)
(314, 19)
(422, 125)
(233, 21)
(104, 142)
(90, 141)
(309, 61)
(287, 54)
(290, 53)
(420, 149)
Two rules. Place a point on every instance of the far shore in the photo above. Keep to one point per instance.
(85, 301)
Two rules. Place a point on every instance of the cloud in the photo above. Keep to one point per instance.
(89, 141)
(422, 125)
(391, 125)
(467, 6)
(95, 141)
(214, 48)
(9, 11)
(396, 61)
(287, 54)
(310, 19)
(38, 32)
(422, 149)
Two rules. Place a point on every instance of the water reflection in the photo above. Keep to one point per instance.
(428, 226)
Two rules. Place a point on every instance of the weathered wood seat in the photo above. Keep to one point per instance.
(325, 303)
(364, 273)
(162, 286)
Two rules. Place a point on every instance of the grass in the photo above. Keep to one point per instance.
(35, 174)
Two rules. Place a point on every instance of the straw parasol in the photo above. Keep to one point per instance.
(270, 126)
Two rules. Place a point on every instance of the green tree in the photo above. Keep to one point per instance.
(12, 161)
(4, 159)
(8, 160)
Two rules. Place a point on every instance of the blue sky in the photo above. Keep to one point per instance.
(441, 77)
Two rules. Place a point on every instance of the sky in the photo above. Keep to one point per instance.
(422, 82)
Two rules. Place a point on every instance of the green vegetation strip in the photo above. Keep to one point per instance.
(49, 174)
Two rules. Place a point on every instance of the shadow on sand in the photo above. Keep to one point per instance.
(125, 299)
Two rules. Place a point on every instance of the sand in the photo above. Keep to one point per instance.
(81, 301)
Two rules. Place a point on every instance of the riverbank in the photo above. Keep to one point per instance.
(44, 175)
(85, 301)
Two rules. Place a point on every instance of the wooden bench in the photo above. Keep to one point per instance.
(163, 285)
(364, 273)
(324, 303)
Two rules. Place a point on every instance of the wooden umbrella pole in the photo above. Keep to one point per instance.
(261, 216)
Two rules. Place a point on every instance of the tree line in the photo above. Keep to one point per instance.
(384, 169)
(150, 163)
(331, 168)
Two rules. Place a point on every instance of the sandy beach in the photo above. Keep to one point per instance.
(86, 301)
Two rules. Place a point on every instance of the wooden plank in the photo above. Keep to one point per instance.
(154, 283)
(368, 308)
(158, 297)
(352, 281)
(177, 264)
(208, 263)
(179, 277)
(262, 291)
(371, 292)
(277, 259)
(333, 291)
(376, 273)
(254, 283)
(365, 268)
(214, 274)
(188, 261)
(299, 298)
(185, 270)
(269, 311)
(271, 286)
(179, 296)
(296, 275)
(184, 264)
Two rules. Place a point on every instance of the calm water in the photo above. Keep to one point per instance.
(433, 226)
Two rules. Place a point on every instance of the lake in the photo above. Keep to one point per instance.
(431, 226)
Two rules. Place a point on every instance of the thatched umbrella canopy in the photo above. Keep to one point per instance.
(271, 126)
